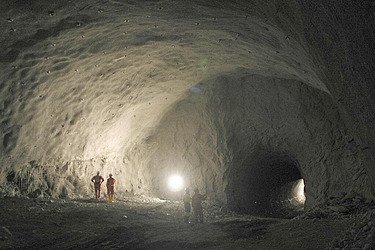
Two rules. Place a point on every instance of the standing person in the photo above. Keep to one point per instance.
(97, 180)
(196, 202)
(187, 205)
(110, 187)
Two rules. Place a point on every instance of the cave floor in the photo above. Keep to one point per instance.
(140, 222)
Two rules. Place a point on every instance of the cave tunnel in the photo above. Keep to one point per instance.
(266, 185)
(242, 98)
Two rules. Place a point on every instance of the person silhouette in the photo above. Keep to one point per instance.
(110, 187)
(187, 205)
(196, 202)
(97, 180)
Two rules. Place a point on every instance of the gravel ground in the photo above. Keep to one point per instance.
(142, 222)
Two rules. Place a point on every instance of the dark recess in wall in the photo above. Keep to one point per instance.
(255, 187)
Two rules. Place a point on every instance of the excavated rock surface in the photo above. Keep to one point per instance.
(221, 92)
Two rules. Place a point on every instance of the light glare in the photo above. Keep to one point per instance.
(300, 191)
(175, 183)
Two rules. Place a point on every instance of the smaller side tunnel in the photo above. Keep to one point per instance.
(267, 184)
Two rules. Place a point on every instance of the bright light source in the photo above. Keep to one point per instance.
(175, 183)
(299, 191)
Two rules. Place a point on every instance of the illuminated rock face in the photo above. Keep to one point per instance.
(239, 98)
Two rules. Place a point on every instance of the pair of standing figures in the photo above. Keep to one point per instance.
(194, 202)
(98, 180)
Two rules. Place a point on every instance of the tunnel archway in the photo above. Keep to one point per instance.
(265, 184)
(75, 100)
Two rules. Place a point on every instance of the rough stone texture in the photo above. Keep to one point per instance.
(234, 95)
(246, 124)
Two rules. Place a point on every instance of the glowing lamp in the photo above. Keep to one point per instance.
(175, 183)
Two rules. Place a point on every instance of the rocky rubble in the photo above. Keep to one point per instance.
(338, 207)
(361, 233)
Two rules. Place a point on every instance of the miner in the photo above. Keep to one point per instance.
(97, 180)
(110, 187)
(196, 202)
(187, 205)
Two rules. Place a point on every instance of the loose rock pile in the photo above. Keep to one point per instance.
(338, 207)
(361, 234)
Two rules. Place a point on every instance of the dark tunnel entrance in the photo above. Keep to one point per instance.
(268, 184)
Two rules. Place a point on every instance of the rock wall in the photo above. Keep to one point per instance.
(227, 93)
(242, 136)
